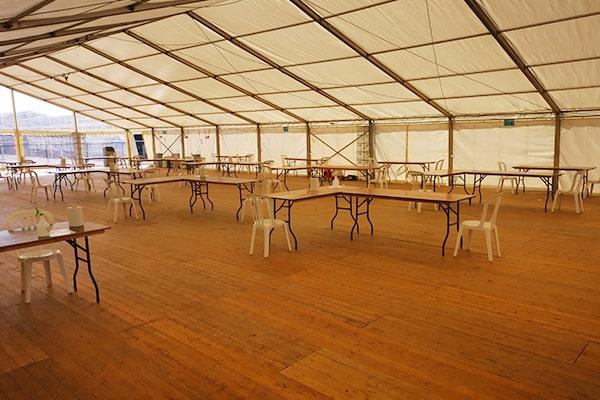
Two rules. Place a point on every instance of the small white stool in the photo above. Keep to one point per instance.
(41, 255)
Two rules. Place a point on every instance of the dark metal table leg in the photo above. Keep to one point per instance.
(88, 260)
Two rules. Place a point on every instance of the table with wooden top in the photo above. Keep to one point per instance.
(545, 177)
(199, 186)
(61, 176)
(567, 168)
(60, 231)
(439, 174)
(281, 173)
(357, 201)
(365, 170)
(425, 165)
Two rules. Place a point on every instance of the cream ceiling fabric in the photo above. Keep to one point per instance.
(162, 63)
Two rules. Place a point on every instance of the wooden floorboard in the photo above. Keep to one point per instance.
(186, 313)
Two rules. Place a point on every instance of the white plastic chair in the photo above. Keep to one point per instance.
(37, 185)
(415, 178)
(263, 219)
(590, 186)
(153, 190)
(574, 190)
(26, 220)
(487, 226)
(4, 174)
(513, 179)
(116, 201)
(382, 176)
(88, 181)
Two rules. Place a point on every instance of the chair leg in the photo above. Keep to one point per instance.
(500, 185)
(27, 268)
(286, 229)
(63, 271)
(46, 191)
(497, 240)
(266, 241)
(458, 237)
(23, 277)
(48, 273)
(252, 239)
(134, 209)
(468, 241)
(243, 214)
(488, 245)
(116, 211)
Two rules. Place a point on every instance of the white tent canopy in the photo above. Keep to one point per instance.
(137, 64)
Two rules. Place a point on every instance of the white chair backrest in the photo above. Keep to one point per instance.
(284, 162)
(415, 178)
(493, 201)
(439, 164)
(576, 183)
(264, 185)
(261, 209)
(502, 166)
(33, 176)
(26, 219)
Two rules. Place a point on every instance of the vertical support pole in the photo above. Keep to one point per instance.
(128, 139)
(557, 129)
(78, 146)
(406, 144)
(18, 137)
(153, 143)
(308, 146)
(371, 139)
(258, 144)
(182, 138)
(218, 141)
(450, 144)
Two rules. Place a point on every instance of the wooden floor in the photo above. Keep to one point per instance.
(186, 313)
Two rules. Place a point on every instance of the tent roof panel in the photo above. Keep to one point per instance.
(560, 41)
(48, 66)
(127, 98)
(61, 8)
(7, 81)
(125, 124)
(242, 17)
(121, 75)
(184, 120)
(153, 122)
(71, 105)
(266, 81)
(222, 58)
(457, 57)
(569, 75)
(268, 116)
(126, 112)
(222, 118)
(330, 7)
(165, 68)
(517, 13)
(34, 91)
(96, 101)
(89, 83)
(577, 99)
(244, 103)
(395, 110)
(157, 110)
(517, 103)
(22, 73)
(197, 107)
(299, 44)
(299, 99)
(354, 71)
(162, 93)
(176, 32)
(122, 47)
(387, 92)
(57, 86)
(81, 57)
(11, 8)
(209, 88)
(498, 82)
(324, 113)
(99, 114)
(392, 26)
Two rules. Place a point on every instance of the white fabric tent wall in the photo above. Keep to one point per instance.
(201, 141)
(274, 142)
(238, 140)
(580, 144)
(168, 142)
(336, 136)
(481, 145)
(428, 143)
(390, 142)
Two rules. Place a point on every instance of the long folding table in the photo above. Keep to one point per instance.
(199, 186)
(357, 201)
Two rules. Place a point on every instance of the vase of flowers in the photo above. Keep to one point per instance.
(42, 227)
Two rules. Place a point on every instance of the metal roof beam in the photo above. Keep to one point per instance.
(8, 24)
(378, 64)
(490, 25)
(267, 60)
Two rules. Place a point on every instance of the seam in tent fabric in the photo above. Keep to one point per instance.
(437, 65)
